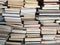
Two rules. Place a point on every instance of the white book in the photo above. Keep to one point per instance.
(19, 36)
(32, 42)
(47, 20)
(49, 13)
(58, 21)
(18, 31)
(46, 23)
(32, 26)
(51, 7)
(12, 15)
(12, 12)
(16, 39)
(27, 11)
(48, 37)
(44, 18)
(13, 19)
(33, 39)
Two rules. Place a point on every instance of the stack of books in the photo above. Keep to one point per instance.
(2, 7)
(12, 17)
(16, 3)
(4, 33)
(51, 4)
(30, 21)
(48, 17)
(16, 37)
(31, 25)
(31, 4)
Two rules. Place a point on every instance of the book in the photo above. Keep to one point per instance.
(30, 4)
(15, 4)
(17, 35)
(49, 31)
(10, 15)
(27, 11)
(32, 42)
(12, 19)
(51, 7)
(48, 42)
(32, 39)
(32, 26)
(49, 37)
(29, 22)
(16, 39)
(32, 35)
(51, 0)
(13, 43)
(48, 11)
(12, 11)
(18, 31)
